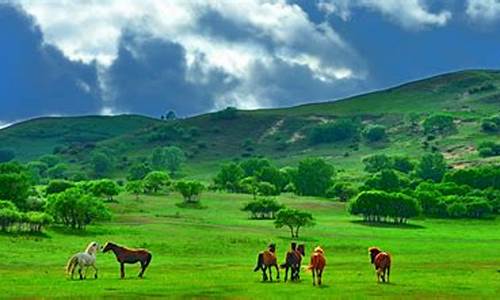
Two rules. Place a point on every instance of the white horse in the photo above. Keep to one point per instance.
(83, 260)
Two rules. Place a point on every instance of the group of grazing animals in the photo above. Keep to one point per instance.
(293, 258)
(124, 255)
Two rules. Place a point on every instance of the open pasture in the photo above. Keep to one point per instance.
(211, 252)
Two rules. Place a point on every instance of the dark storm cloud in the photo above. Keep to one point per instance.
(35, 78)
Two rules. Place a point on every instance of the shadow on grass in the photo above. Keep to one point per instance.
(387, 225)
(301, 239)
(79, 232)
(192, 205)
(25, 234)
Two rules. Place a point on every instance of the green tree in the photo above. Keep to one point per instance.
(138, 171)
(253, 166)
(135, 187)
(264, 208)
(402, 164)
(293, 219)
(15, 184)
(432, 167)
(158, 159)
(190, 190)
(377, 162)
(174, 158)
(101, 164)
(439, 124)
(314, 176)
(50, 159)
(105, 187)
(267, 189)
(58, 171)
(386, 180)
(76, 209)
(38, 220)
(374, 133)
(274, 176)
(37, 170)
(155, 181)
(229, 177)
(341, 190)
(58, 185)
(334, 131)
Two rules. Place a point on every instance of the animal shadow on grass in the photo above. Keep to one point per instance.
(287, 238)
(194, 205)
(80, 232)
(388, 225)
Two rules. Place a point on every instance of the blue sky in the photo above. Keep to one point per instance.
(147, 57)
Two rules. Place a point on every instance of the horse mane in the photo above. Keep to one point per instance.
(318, 249)
(374, 249)
(90, 246)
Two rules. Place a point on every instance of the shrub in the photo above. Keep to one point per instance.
(377, 162)
(402, 164)
(439, 124)
(374, 133)
(174, 158)
(313, 177)
(14, 186)
(489, 148)
(229, 113)
(58, 171)
(155, 181)
(334, 131)
(377, 206)
(254, 166)
(76, 209)
(229, 177)
(138, 171)
(58, 185)
(190, 190)
(105, 187)
(38, 220)
(386, 180)
(264, 208)
(8, 217)
(101, 164)
(457, 210)
(432, 166)
(267, 189)
(341, 190)
(135, 187)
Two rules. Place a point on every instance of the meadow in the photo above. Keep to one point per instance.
(211, 253)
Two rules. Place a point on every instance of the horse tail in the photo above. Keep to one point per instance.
(260, 261)
(72, 262)
(149, 257)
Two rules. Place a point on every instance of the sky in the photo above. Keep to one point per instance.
(106, 57)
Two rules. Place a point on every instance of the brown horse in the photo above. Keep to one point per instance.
(293, 261)
(317, 264)
(265, 260)
(129, 256)
(382, 262)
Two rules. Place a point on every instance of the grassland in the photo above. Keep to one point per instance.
(210, 253)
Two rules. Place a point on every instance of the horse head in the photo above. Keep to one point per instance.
(108, 246)
(92, 248)
(301, 248)
(272, 247)
(374, 251)
(318, 249)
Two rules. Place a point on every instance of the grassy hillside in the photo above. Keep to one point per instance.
(280, 134)
(210, 253)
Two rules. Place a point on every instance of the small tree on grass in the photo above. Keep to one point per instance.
(107, 188)
(374, 133)
(155, 181)
(135, 187)
(341, 190)
(174, 158)
(38, 220)
(264, 208)
(75, 209)
(190, 190)
(58, 185)
(293, 219)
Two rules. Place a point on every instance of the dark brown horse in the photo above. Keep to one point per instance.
(129, 256)
(293, 260)
(265, 260)
(317, 264)
(381, 261)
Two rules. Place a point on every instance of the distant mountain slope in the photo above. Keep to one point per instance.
(281, 134)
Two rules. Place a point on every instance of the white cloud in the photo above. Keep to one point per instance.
(5, 124)
(410, 14)
(90, 31)
(483, 10)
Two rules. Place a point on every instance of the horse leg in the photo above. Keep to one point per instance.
(277, 271)
(314, 276)
(264, 275)
(388, 272)
(95, 269)
(122, 270)
(270, 274)
(320, 274)
(286, 274)
(80, 272)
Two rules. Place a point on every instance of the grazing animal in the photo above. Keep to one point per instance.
(265, 260)
(83, 260)
(317, 264)
(293, 260)
(382, 262)
(129, 256)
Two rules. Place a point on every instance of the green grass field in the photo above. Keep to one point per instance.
(210, 253)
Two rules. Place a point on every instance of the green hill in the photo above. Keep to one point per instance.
(281, 134)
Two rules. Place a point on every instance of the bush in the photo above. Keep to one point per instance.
(58, 185)
(105, 187)
(341, 190)
(135, 187)
(8, 217)
(432, 167)
(386, 180)
(267, 189)
(378, 206)
(58, 171)
(489, 148)
(229, 113)
(75, 209)
(402, 164)
(138, 171)
(101, 164)
(377, 162)
(229, 177)
(15, 184)
(334, 131)
(479, 177)
(155, 181)
(264, 208)
(374, 133)
(190, 190)
(439, 124)
(254, 166)
(38, 220)
(457, 210)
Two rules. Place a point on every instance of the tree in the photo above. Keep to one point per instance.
(174, 158)
(378, 206)
(439, 124)
(386, 180)
(50, 159)
(334, 131)
(293, 219)
(105, 187)
(37, 170)
(6, 155)
(14, 186)
(170, 116)
(274, 176)
(190, 190)
(374, 133)
(313, 177)
(249, 185)
(402, 164)
(138, 171)
(158, 159)
(155, 181)
(229, 177)
(58, 185)
(377, 162)
(135, 187)
(341, 190)
(432, 166)
(8, 217)
(489, 148)
(37, 220)
(76, 209)
(58, 171)
(101, 163)
(253, 166)
(267, 189)
(264, 208)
